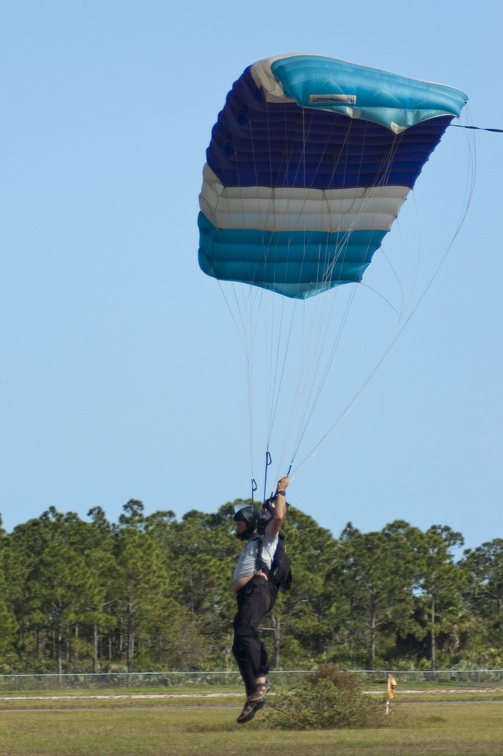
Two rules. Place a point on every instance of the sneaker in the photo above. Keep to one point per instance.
(261, 691)
(249, 710)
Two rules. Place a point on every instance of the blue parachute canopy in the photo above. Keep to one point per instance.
(308, 165)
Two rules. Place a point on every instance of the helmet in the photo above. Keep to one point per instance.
(251, 516)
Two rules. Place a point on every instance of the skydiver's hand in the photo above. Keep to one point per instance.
(283, 483)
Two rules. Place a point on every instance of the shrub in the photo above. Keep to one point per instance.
(328, 699)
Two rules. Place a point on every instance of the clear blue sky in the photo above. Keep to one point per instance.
(121, 376)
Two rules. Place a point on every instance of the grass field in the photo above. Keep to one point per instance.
(64, 723)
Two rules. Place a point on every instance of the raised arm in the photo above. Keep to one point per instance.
(279, 508)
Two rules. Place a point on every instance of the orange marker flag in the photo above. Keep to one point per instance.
(391, 685)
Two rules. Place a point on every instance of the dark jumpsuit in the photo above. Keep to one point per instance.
(255, 600)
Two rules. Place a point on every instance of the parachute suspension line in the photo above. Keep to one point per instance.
(301, 170)
(408, 318)
(278, 348)
(249, 384)
(253, 489)
(312, 374)
(251, 317)
(315, 383)
(279, 360)
(399, 311)
(342, 324)
(268, 461)
(257, 302)
(276, 345)
(320, 374)
(283, 346)
(329, 259)
(316, 391)
(472, 171)
(270, 370)
(310, 348)
(384, 175)
(405, 301)
(469, 188)
(245, 329)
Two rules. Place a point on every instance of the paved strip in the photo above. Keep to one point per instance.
(140, 696)
(114, 696)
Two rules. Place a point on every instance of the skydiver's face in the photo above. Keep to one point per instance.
(241, 526)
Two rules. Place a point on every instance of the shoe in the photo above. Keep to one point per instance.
(261, 691)
(249, 710)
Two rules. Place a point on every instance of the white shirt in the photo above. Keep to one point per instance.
(247, 561)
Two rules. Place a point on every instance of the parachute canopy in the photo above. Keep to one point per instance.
(308, 165)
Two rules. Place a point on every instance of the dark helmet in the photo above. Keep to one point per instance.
(251, 516)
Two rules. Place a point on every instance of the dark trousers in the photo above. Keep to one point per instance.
(255, 600)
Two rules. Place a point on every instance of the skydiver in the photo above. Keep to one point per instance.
(256, 596)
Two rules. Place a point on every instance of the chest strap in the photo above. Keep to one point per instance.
(259, 563)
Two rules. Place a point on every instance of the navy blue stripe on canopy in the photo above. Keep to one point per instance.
(256, 143)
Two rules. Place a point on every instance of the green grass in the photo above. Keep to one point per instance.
(425, 729)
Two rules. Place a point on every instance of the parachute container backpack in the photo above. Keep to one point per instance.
(308, 165)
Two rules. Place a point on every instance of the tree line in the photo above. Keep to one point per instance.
(151, 592)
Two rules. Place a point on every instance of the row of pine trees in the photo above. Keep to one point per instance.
(154, 593)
